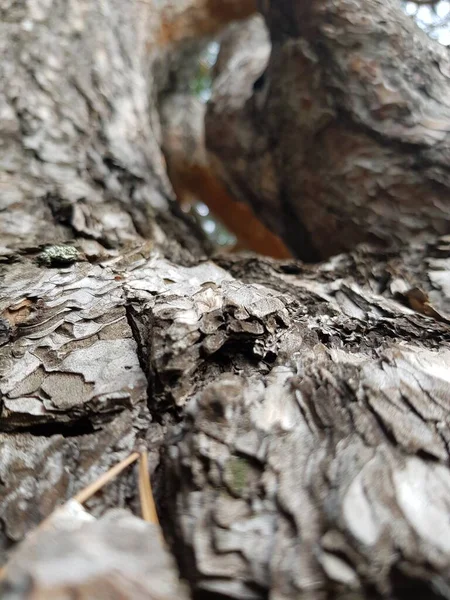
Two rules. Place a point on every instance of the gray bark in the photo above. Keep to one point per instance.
(316, 466)
(83, 181)
(342, 135)
(80, 129)
(117, 556)
(296, 416)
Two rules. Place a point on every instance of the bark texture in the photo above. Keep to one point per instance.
(297, 417)
(82, 181)
(80, 127)
(342, 135)
(317, 465)
(118, 556)
(77, 123)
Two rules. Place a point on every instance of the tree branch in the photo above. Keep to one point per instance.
(346, 136)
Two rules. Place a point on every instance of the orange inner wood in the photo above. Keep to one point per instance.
(198, 183)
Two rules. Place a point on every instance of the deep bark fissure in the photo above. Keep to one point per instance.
(75, 428)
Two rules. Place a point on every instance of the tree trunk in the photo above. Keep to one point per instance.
(84, 193)
(343, 135)
(296, 416)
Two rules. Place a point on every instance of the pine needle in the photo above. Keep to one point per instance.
(97, 485)
(148, 508)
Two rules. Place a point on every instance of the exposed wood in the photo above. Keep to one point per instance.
(193, 179)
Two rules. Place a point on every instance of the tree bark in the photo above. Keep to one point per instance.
(316, 465)
(83, 184)
(342, 136)
(297, 416)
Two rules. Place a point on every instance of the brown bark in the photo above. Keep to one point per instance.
(342, 135)
(181, 20)
(297, 416)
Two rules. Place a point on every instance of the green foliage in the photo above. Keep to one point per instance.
(201, 85)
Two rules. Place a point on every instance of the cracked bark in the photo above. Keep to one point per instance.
(297, 415)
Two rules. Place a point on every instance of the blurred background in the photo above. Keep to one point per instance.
(433, 18)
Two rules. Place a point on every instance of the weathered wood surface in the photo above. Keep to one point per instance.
(311, 459)
(193, 179)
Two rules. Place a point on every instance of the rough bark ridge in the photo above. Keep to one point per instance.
(312, 460)
(317, 466)
(80, 126)
(78, 133)
(78, 556)
(342, 136)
